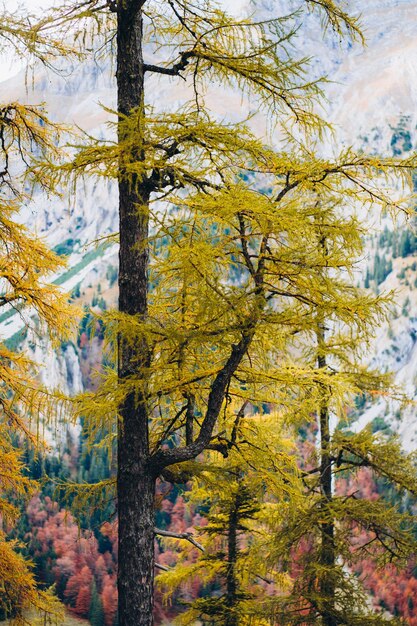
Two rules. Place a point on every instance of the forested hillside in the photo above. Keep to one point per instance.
(209, 314)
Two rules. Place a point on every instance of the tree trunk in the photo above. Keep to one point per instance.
(231, 618)
(136, 549)
(135, 483)
(327, 548)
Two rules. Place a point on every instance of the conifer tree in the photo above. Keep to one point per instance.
(236, 496)
(235, 507)
(211, 266)
(314, 524)
(340, 529)
(26, 266)
(96, 613)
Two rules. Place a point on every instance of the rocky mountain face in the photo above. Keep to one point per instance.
(372, 101)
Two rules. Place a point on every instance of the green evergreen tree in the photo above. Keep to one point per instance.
(96, 613)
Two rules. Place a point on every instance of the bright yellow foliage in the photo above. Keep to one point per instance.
(26, 271)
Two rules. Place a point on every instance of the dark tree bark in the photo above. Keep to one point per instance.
(327, 548)
(135, 483)
(231, 619)
(137, 467)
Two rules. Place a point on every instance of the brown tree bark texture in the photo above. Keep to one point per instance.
(135, 483)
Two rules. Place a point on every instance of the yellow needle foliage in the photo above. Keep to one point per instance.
(264, 553)
(232, 248)
(27, 267)
(236, 495)
(224, 277)
(322, 540)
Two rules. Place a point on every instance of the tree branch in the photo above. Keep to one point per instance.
(162, 458)
(175, 69)
(187, 536)
(164, 568)
(189, 418)
(244, 244)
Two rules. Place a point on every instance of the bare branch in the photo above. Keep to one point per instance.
(244, 244)
(189, 419)
(187, 536)
(175, 70)
(164, 568)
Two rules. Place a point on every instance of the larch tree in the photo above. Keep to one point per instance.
(339, 529)
(236, 495)
(25, 264)
(27, 267)
(213, 269)
(297, 531)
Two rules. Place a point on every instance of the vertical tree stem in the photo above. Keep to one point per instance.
(231, 618)
(135, 483)
(327, 548)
